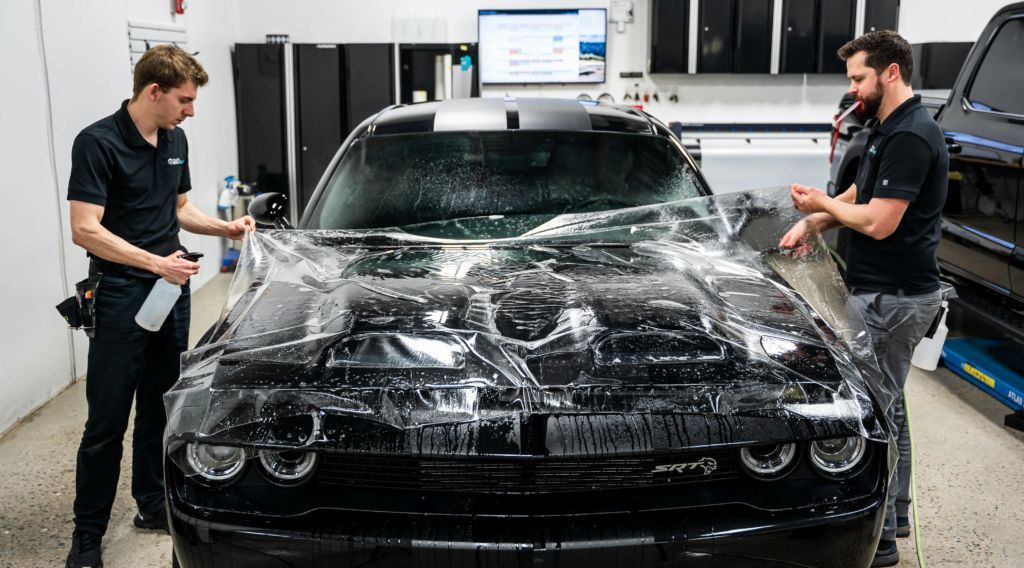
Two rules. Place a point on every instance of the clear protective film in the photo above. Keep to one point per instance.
(680, 325)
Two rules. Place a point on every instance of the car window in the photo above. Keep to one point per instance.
(999, 83)
(497, 184)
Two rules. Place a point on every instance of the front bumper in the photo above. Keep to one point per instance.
(726, 535)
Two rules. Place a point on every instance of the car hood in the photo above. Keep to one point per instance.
(658, 327)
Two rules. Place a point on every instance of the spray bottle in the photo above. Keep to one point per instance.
(927, 352)
(161, 300)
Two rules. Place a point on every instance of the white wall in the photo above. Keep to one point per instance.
(88, 71)
(946, 20)
(85, 42)
(35, 358)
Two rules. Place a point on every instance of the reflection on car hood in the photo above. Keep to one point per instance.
(656, 327)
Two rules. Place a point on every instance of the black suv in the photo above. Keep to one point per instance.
(982, 246)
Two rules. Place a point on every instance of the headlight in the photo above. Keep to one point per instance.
(770, 461)
(216, 463)
(837, 455)
(287, 466)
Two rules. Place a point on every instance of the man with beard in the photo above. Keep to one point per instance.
(894, 208)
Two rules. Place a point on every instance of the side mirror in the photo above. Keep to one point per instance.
(271, 209)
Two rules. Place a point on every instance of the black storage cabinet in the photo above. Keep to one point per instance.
(260, 115)
(812, 32)
(336, 88)
(716, 35)
(670, 36)
(753, 51)
(836, 20)
(799, 36)
(733, 36)
(881, 15)
(319, 111)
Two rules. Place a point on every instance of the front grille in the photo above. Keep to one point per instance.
(530, 475)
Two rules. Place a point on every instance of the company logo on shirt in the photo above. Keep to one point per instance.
(885, 182)
(873, 151)
(175, 161)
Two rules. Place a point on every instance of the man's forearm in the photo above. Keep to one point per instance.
(855, 216)
(195, 221)
(102, 243)
(822, 221)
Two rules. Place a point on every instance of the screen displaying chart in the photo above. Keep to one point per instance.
(542, 46)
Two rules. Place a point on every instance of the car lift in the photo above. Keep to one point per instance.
(996, 366)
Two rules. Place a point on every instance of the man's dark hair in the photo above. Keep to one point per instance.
(168, 66)
(883, 48)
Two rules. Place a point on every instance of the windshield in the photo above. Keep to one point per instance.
(486, 185)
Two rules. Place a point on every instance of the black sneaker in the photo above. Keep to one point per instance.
(154, 522)
(85, 550)
(886, 555)
(902, 527)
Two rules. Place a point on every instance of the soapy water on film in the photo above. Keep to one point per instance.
(642, 320)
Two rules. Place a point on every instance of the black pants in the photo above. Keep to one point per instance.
(126, 362)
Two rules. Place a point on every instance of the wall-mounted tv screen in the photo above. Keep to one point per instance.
(542, 46)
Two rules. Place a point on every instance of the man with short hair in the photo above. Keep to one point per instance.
(128, 197)
(894, 208)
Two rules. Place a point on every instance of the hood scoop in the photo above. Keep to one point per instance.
(657, 348)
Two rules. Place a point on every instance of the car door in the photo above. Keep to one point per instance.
(987, 123)
(1017, 258)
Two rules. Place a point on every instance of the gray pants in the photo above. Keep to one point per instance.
(897, 323)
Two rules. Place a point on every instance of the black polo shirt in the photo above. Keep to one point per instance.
(906, 158)
(138, 185)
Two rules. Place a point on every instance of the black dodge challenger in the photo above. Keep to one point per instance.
(524, 333)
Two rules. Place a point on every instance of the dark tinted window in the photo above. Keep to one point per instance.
(497, 184)
(999, 84)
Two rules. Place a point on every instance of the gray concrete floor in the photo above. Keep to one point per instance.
(970, 476)
(37, 476)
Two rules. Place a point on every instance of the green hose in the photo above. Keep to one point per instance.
(836, 257)
(913, 486)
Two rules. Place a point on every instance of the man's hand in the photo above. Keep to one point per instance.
(808, 199)
(236, 229)
(175, 269)
(195, 221)
(796, 238)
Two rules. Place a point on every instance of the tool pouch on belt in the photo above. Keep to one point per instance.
(80, 310)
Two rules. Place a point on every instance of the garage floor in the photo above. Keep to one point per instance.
(970, 476)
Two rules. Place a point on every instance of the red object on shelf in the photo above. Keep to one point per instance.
(179, 7)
